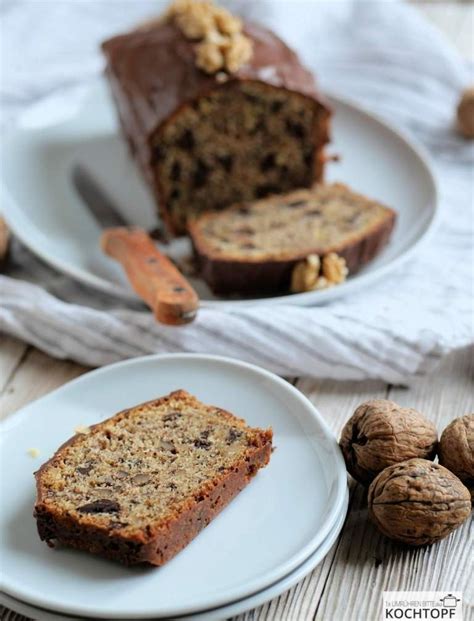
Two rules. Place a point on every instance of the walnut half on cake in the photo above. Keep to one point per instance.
(141, 485)
(215, 110)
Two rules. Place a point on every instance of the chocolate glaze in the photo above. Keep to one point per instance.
(152, 73)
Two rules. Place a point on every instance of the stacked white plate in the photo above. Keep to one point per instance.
(273, 534)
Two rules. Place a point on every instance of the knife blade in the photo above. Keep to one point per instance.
(99, 203)
(152, 275)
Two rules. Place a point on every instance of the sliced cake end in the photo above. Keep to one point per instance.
(141, 485)
(253, 247)
(209, 134)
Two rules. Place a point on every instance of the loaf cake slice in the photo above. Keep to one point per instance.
(141, 485)
(253, 247)
(205, 135)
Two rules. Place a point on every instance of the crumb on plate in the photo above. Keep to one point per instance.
(82, 429)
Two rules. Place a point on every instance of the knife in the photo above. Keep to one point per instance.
(152, 275)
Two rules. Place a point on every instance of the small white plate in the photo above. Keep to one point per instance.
(272, 527)
(224, 612)
(45, 212)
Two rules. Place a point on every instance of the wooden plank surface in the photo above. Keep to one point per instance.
(35, 375)
(362, 563)
(12, 353)
(334, 400)
(348, 585)
(366, 563)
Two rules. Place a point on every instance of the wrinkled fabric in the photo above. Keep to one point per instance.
(381, 55)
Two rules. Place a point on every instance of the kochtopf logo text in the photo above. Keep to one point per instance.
(424, 605)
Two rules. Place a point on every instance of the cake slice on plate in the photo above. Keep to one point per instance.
(255, 247)
(138, 487)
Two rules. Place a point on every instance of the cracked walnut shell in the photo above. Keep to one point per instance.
(4, 242)
(456, 449)
(418, 502)
(381, 433)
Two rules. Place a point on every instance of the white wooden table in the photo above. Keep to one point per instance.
(348, 584)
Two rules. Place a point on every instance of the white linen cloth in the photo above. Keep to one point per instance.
(381, 54)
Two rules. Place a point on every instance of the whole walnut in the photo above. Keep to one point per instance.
(456, 449)
(381, 433)
(465, 113)
(418, 502)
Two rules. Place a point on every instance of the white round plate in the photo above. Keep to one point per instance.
(224, 612)
(272, 527)
(44, 210)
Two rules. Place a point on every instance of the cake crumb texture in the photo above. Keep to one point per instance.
(139, 486)
(303, 240)
(215, 110)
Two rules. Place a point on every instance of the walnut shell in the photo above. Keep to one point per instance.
(418, 502)
(456, 449)
(4, 242)
(381, 433)
(465, 113)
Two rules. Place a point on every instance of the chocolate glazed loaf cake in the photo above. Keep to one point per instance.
(141, 485)
(207, 135)
(254, 247)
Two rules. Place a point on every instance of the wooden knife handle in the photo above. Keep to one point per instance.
(152, 275)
